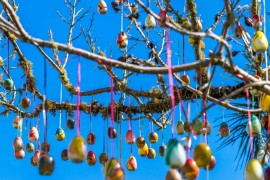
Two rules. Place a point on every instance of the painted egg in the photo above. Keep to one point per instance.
(103, 158)
(45, 147)
(197, 126)
(131, 163)
(46, 164)
(122, 40)
(102, 7)
(91, 158)
(212, 163)
(151, 153)
(17, 122)
(130, 137)
(77, 150)
(33, 134)
(19, 154)
(262, 157)
(187, 126)
(163, 17)
(150, 22)
(32, 162)
(267, 174)
(36, 157)
(162, 150)
(185, 78)
(8, 84)
(153, 137)
(259, 42)
(173, 174)
(70, 123)
(224, 129)
(91, 138)
(206, 129)
(113, 170)
(257, 21)
(60, 134)
(64, 155)
(265, 102)
(202, 155)
(144, 150)
(256, 126)
(254, 170)
(25, 103)
(180, 127)
(30, 147)
(175, 155)
(199, 24)
(140, 142)
(18, 144)
(190, 170)
(112, 133)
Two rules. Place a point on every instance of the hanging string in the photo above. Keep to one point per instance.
(121, 142)
(122, 17)
(107, 126)
(162, 135)
(19, 131)
(183, 50)
(78, 98)
(205, 123)
(60, 114)
(150, 129)
(104, 135)
(90, 113)
(130, 123)
(140, 127)
(264, 29)
(44, 101)
(8, 58)
(249, 124)
(112, 111)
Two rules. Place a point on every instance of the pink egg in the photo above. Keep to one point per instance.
(33, 134)
(130, 137)
(163, 18)
(19, 154)
(17, 122)
(36, 156)
(18, 144)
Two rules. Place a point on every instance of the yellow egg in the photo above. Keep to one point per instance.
(259, 42)
(265, 102)
(77, 150)
(254, 170)
(202, 155)
(144, 150)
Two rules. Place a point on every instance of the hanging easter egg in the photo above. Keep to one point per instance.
(264, 122)
(190, 170)
(254, 170)
(267, 174)
(140, 142)
(32, 162)
(70, 123)
(64, 155)
(187, 126)
(36, 157)
(113, 170)
(46, 165)
(197, 126)
(122, 40)
(45, 147)
(18, 144)
(173, 174)
(17, 122)
(19, 154)
(163, 18)
(33, 134)
(144, 150)
(185, 78)
(162, 150)
(180, 127)
(206, 129)
(60, 134)
(153, 137)
(77, 150)
(259, 42)
(199, 24)
(8, 84)
(265, 102)
(130, 137)
(202, 155)
(212, 163)
(112, 133)
(103, 158)
(256, 126)
(150, 22)
(175, 155)
(224, 129)
(30, 147)
(131, 163)
(91, 158)
(25, 103)
(91, 138)
(257, 21)
(151, 154)
(262, 157)
(102, 7)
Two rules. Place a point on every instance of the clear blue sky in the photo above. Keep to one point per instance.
(40, 16)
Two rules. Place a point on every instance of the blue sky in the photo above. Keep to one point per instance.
(40, 16)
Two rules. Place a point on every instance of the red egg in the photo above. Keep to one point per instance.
(224, 130)
(140, 142)
(131, 163)
(45, 147)
(17, 122)
(212, 163)
(112, 133)
(18, 144)
(36, 157)
(163, 17)
(33, 134)
(19, 154)
(153, 137)
(46, 164)
(91, 158)
(257, 20)
(25, 103)
(122, 40)
(190, 169)
(91, 138)
(130, 137)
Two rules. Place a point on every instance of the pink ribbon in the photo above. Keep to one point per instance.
(249, 124)
(78, 99)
